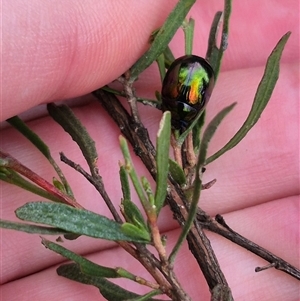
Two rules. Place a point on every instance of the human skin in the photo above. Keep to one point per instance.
(57, 50)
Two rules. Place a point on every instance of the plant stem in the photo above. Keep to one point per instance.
(139, 139)
(11, 163)
(97, 183)
(219, 226)
(197, 240)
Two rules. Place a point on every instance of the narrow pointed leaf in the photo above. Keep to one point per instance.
(210, 130)
(73, 272)
(162, 160)
(31, 228)
(148, 190)
(133, 214)
(124, 183)
(12, 177)
(129, 167)
(18, 124)
(163, 37)
(183, 136)
(125, 274)
(109, 290)
(161, 66)
(188, 29)
(167, 53)
(261, 99)
(147, 296)
(136, 232)
(177, 172)
(58, 185)
(86, 266)
(64, 116)
(214, 53)
(7, 162)
(169, 57)
(197, 132)
(212, 49)
(78, 221)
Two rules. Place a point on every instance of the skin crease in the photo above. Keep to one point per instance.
(55, 50)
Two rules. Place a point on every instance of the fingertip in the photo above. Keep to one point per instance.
(56, 50)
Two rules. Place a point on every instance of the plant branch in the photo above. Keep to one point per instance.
(151, 264)
(7, 161)
(96, 182)
(138, 137)
(176, 199)
(219, 226)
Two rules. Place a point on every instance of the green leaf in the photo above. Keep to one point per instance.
(161, 66)
(148, 190)
(18, 124)
(162, 160)
(109, 290)
(58, 185)
(177, 172)
(212, 49)
(197, 131)
(125, 274)
(9, 162)
(73, 220)
(86, 266)
(31, 228)
(133, 214)
(167, 53)
(261, 99)
(136, 232)
(188, 29)
(162, 37)
(64, 116)
(132, 173)
(147, 296)
(169, 57)
(214, 54)
(210, 130)
(12, 177)
(183, 135)
(124, 183)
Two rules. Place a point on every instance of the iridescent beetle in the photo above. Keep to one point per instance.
(186, 89)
